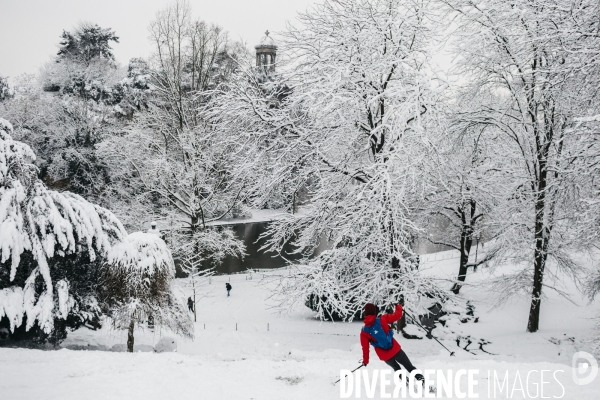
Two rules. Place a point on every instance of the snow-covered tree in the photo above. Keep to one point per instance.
(86, 43)
(178, 164)
(69, 107)
(189, 174)
(63, 130)
(190, 57)
(41, 231)
(134, 90)
(6, 91)
(84, 66)
(462, 181)
(137, 285)
(345, 123)
(523, 65)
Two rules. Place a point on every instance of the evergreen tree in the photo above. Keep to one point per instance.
(50, 246)
(5, 91)
(88, 42)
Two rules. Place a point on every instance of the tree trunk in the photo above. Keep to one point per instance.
(130, 337)
(541, 246)
(466, 242)
(194, 304)
(465, 250)
(401, 324)
(538, 277)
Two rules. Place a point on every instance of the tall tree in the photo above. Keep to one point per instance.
(522, 56)
(87, 43)
(85, 65)
(462, 178)
(172, 154)
(186, 58)
(345, 122)
(87, 103)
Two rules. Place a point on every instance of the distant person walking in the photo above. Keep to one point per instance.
(228, 287)
(191, 304)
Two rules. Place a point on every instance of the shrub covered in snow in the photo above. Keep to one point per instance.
(166, 344)
(137, 286)
(49, 241)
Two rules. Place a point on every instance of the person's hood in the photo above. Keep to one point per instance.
(370, 320)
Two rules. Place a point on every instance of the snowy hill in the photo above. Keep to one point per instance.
(244, 350)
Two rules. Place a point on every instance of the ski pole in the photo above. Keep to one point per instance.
(415, 321)
(360, 366)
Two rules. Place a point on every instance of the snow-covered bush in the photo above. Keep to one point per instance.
(166, 344)
(137, 286)
(49, 244)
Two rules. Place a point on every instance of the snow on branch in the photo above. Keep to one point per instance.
(146, 253)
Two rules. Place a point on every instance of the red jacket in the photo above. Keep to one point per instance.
(365, 338)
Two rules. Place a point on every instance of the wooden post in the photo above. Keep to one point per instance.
(130, 339)
(194, 289)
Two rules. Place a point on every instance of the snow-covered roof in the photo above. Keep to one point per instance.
(266, 41)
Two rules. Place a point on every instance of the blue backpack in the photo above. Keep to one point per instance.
(381, 339)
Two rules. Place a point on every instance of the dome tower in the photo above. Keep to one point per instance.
(266, 51)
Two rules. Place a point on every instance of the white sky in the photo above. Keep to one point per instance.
(30, 29)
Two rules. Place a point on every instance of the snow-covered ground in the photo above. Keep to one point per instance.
(257, 216)
(244, 350)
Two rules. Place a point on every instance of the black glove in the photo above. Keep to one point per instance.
(401, 300)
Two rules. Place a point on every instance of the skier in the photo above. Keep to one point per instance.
(190, 304)
(377, 332)
(228, 287)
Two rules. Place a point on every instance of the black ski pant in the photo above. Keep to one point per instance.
(401, 359)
